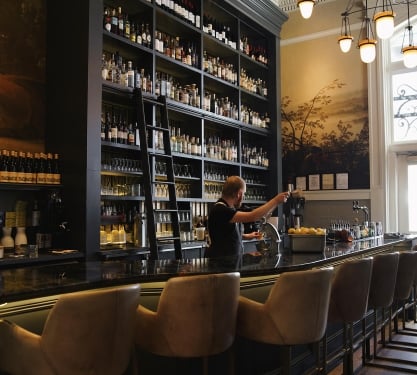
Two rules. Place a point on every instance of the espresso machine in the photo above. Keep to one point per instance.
(293, 209)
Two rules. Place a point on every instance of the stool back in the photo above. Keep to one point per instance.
(295, 311)
(384, 274)
(407, 267)
(196, 316)
(350, 290)
(91, 332)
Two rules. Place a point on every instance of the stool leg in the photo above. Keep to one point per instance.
(324, 361)
(205, 365)
(285, 360)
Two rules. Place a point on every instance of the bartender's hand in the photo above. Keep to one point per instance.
(282, 197)
(253, 235)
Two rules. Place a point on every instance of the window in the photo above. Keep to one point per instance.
(401, 139)
(412, 196)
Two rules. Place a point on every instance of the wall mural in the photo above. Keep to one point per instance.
(318, 138)
(22, 75)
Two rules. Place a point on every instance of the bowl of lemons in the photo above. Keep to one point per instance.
(307, 239)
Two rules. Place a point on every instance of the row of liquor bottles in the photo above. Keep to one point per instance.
(117, 71)
(213, 190)
(139, 31)
(20, 167)
(114, 128)
(176, 48)
(217, 173)
(114, 69)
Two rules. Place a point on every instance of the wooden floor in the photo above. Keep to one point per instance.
(403, 347)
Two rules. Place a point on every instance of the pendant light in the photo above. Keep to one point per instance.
(345, 39)
(384, 20)
(306, 7)
(367, 44)
(409, 50)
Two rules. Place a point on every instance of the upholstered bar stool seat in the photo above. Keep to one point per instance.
(407, 268)
(348, 304)
(381, 296)
(295, 312)
(195, 317)
(85, 333)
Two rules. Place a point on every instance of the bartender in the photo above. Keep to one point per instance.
(224, 220)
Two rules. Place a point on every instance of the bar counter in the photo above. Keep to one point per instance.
(22, 283)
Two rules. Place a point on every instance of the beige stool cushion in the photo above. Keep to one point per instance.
(407, 268)
(85, 333)
(384, 273)
(196, 317)
(295, 311)
(350, 290)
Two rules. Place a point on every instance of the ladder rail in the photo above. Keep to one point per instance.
(149, 183)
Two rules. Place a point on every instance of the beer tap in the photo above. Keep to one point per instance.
(364, 209)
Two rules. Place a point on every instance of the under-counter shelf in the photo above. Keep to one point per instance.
(44, 256)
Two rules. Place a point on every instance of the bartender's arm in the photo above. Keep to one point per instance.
(261, 211)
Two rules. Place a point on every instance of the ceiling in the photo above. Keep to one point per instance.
(291, 5)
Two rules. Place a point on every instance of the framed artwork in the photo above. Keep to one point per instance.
(327, 181)
(342, 181)
(314, 182)
(301, 183)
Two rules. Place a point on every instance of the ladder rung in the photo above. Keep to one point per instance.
(161, 182)
(159, 154)
(154, 127)
(166, 239)
(166, 210)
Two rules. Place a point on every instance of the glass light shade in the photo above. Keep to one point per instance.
(306, 7)
(384, 24)
(345, 42)
(367, 50)
(410, 56)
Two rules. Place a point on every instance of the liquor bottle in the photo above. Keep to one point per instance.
(120, 130)
(114, 21)
(137, 138)
(4, 166)
(130, 135)
(133, 28)
(21, 168)
(36, 214)
(107, 129)
(41, 172)
(56, 170)
(127, 27)
(148, 36)
(114, 129)
(107, 19)
(144, 36)
(103, 128)
(130, 75)
(49, 173)
(121, 27)
(12, 167)
(30, 175)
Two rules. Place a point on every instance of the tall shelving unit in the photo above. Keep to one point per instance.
(79, 109)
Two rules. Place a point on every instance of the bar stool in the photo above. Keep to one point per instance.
(195, 317)
(407, 268)
(295, 312)
(348, 304)
(85, 333)
(381, 296)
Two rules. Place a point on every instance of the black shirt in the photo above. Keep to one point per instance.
(225, 237)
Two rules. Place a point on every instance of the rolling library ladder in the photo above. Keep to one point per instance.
(149, 156)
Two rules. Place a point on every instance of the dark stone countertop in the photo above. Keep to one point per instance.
(21, 283)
